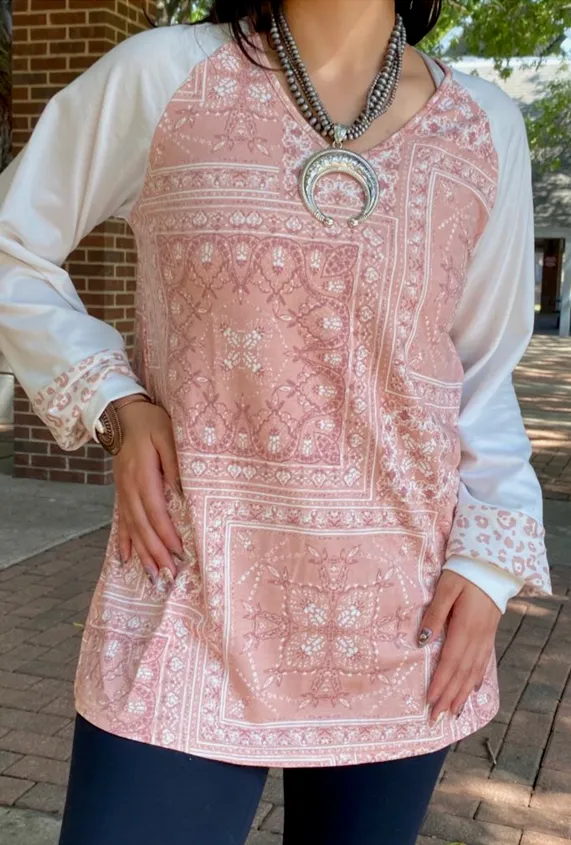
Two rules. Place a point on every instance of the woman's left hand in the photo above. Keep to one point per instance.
(473, 619)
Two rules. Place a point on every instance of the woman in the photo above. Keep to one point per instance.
(324, 491)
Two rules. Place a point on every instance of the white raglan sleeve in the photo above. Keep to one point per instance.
(84, 163)
(497, 538)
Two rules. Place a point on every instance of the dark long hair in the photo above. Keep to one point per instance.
(419, 16)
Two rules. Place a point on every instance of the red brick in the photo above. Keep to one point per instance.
(48, 33)
(55, 635)
(47, 669)
(455, 804)
(532, 728)
(12, 638)
(467, 764)
(48, 63)
(477, 743)
(264, 837)
(12, 788)
(44, 797)
(66, 48)
(37, 723)
(563, 718)
(54, 687)
(40, 770)
(25, 742)
(36, 607)
(430, 840)
(30, 19)
(61, 707)
(553, 791)
(449, 828)
(518, 763)
(29, 78)
(535, 838)
(13, 680)
(526, 819)
(67, 17)
(19, 656)
(7, 759)
(67, 732)
(559, 753)
(24, 699)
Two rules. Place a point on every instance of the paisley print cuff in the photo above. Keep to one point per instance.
(60, 405)
(509, 539)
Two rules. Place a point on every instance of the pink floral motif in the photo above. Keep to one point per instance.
(329, 631)
(61, 403)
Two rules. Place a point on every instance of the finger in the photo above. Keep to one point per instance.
(435, 617)
(148, 564)
(447, 672)
(145, 537)
(453, 688)
(472, 684)
(124, 541)
(451, 657)
(462, 696)
(165, 446)
(150, 489)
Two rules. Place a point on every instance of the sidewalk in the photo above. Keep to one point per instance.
(509, 785)
(543, 384)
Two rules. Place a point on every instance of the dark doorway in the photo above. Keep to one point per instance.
(549, 262)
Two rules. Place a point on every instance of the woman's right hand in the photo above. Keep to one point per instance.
(147, 458)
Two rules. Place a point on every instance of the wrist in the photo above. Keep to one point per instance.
(110, 427)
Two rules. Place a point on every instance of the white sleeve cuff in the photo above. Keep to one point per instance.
(498, 584)
(114, 387)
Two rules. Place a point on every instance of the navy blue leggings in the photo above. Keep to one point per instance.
(127, 793)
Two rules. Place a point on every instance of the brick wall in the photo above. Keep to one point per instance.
(54, 41)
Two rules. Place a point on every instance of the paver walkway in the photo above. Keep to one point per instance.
(543, 384)
(509, 785)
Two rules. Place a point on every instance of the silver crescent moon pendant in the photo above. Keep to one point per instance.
(338, 160)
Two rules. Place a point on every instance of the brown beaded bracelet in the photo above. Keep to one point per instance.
(111, 438)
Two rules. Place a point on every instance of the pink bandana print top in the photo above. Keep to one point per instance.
(315, 391)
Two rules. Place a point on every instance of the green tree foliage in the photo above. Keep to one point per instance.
(502, 30)
(177, 11)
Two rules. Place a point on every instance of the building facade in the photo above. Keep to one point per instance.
(53, 42)
(552, 191)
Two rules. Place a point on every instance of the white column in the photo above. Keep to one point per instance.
(565, 316)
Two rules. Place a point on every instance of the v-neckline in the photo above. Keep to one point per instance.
(387, 142)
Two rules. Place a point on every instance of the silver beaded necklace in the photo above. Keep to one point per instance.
(380, 97)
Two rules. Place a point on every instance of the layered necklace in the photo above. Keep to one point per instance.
(380, 97)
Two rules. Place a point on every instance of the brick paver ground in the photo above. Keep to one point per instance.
(508, 785)
(543, 384)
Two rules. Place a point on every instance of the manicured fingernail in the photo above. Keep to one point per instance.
(479, 687)
(151, 578)
(425, 636)
(459, 713)
(179, 489)
(178, 558)
(439, 719)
